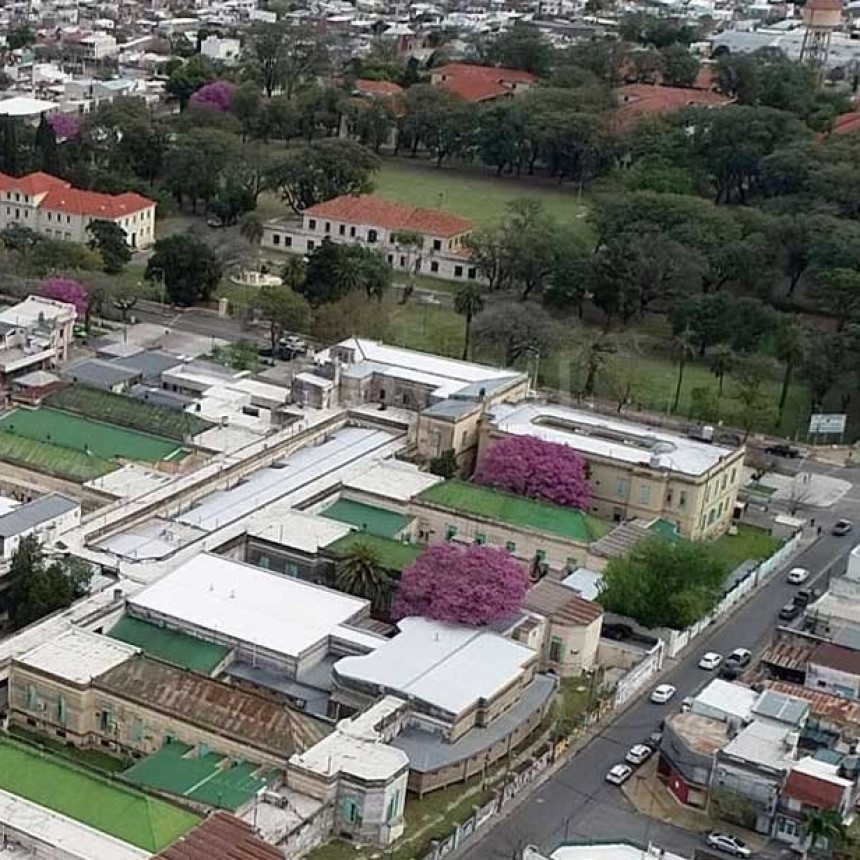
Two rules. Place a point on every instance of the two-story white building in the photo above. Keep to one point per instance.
(54, 208)
(35, 334)
(439, 252)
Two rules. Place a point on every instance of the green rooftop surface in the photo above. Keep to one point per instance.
(174, 647)
(198, 774)
(504, 507)
(665, 529)
(367, 518)
(393, 554)
(122, 812)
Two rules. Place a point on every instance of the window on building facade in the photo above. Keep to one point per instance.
(556, 649)
(434, 266)
(351, 811)
(328, 226)
(352, 232)
(480, 538)
(372, 236)
(458, 271)
(341, 230)
(511, 546)
(622, 487)
(450, 532)
(276, 238)
(682, 499)
(540, 555)
(288, 241)
(472, 274)
(437, 245)
(712, 515)
(310, 244)
(62, 710)
(644, 494)
(312, 224)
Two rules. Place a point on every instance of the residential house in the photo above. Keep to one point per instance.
(811, 786)
(45, 518)
(104, 375)
(635, 471)
(54, 208)
(834, 669)
(481, 83)
(637, 102)
(375, 222)
(35, 334)
(573, 634)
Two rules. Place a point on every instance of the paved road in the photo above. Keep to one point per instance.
(578, 804)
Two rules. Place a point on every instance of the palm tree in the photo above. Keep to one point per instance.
(790, 344)
(251, 228)
(360, 572)
(722, 362)
(684, 347)
(824, 825)
(468, 302)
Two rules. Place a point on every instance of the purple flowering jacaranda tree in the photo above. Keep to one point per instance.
(218, 96)
(531, 467)
(462, 584)
(66, 290)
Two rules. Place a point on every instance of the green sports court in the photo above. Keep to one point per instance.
(119, 811)
(96, 438)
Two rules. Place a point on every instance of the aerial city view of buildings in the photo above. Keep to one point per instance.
(429, 429)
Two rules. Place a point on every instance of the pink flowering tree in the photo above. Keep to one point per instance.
(472, 585)
(66, 290)
(531, 467)
(218, 96)
(65, 126)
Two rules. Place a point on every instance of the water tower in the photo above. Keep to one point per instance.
(821, 18)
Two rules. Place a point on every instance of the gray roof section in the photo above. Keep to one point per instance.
(160, 397)
(100, 374)
(776, 706)
(5, 328)
(150, 364)
(428, 751)
(451, 409)
(34, 514)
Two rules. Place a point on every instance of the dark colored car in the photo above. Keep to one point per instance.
(790, 611)
(841, 528)
(804, 596)
(783, 450)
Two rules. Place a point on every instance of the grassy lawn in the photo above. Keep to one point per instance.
(52, 459)
(91, 758)
(750, 543)
(482, 198)
(122, 410)
(393, 555)
(129, 815)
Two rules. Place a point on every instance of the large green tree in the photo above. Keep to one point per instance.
(284, 309)
(189, 267)
(108, 238)
(664, 584)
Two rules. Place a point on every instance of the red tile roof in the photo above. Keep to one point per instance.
(220, 837)
(637, 101)
(834, 709)
(479, 83)
(836, 657)
(60, 196)
(378, 88)
(378, 212)
(812, 791)
(847, 123)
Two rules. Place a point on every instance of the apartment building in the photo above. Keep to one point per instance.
(35, 334)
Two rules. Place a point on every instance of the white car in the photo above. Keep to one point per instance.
(729, 844)
(619, 774)
(638, 754)
(710, 660)
(797, 575)
(660, 695)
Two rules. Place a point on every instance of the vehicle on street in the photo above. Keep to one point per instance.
(804, 596)
(660, 695)
(638, 754)
(728, 844)
(619, 774)
(686, 704)
(798, 575)
(841, 528)
(790, 611)
(710, 660)
(783, 450)
(735, 663)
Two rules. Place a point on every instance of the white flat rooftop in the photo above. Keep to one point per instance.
(449, 666)
(22, 106)
(600, 435)
(300, 531)
(133, 479)
(763, 744)
(78, 656)
(246, 604)
(611, 851)
(356, 747)
(29, 312)
(69, 838)
(392, 479)
(733, 700)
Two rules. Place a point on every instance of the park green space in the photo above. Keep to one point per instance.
(124, 813)
(51, 459)
(392, 554)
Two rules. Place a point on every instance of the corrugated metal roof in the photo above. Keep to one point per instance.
(220, 837)
(35, 513)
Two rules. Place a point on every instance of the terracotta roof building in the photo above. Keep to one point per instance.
(220, 837)
(481, 83)
(54, 208)
(640, 101)
(377, 222)
(380, 89)
(573, 627)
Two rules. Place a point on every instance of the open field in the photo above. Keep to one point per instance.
(52, 459)
(87, 436)
(135, 414)
(129, 815)
(749, 544)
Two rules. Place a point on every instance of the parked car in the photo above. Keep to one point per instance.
(798, 575)
(660, 695)
(728, 844)
(638, 754)
(804, 596)
(783, 450)
(790, 611)
(710, 660)
(735, 664)
(619, 774)
(686, 704)
(841, 528)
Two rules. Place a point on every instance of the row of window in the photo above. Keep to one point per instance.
(372, 235)
(451, 532)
